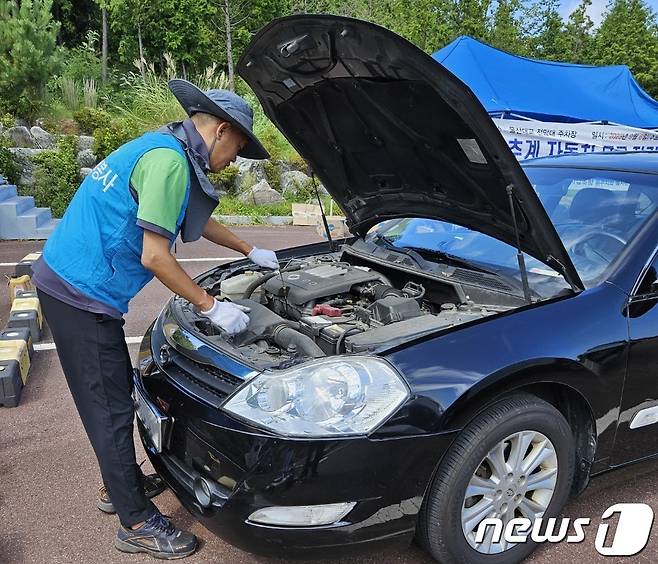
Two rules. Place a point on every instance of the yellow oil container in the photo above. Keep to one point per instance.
(16, 350)
(19, 284)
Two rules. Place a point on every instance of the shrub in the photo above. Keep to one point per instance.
(7, 120)
(226, 177)
(56, 176)
(90, 119)
(273, 175)
(113, 135)
(82, 62)
(8, 167)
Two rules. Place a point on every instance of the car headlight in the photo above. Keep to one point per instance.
(332, 397)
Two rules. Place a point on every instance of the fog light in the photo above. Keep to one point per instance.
(302, 515)
(202, 492)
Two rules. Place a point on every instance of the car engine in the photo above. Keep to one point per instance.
(323, 305)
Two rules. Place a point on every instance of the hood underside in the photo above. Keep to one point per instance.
(391, 133)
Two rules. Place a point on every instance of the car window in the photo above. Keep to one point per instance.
(595, 213)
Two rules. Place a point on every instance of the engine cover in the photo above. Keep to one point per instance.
(319, 280)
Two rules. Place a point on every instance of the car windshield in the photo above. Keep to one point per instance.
(595, 212)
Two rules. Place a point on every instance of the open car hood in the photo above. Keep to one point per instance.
(391, 133)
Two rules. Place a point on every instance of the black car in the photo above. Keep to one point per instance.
(484, 344)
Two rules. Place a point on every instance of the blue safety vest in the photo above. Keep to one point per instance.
(97, 246)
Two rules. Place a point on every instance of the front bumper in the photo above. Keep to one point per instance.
(250, 469)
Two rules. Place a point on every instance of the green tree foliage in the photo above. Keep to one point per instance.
(179, 27)
(28, 53)
(629, 35)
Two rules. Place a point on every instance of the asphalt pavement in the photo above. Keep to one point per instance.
(49, 476)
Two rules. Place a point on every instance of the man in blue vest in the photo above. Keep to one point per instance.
(116, 234)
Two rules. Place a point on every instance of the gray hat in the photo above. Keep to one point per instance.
(223, 104)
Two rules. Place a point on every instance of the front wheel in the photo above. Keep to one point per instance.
(515, 459)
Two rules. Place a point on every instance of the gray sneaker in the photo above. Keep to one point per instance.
(157, 537)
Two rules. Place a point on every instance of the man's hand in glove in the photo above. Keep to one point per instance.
(229, 316)
(263, 257)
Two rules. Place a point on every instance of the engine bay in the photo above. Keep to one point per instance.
(332, 304)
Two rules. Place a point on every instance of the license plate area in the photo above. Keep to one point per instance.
(156, 425)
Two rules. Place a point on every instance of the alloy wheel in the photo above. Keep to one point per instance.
(517, 478)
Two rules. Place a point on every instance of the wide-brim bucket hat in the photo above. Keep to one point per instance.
(225, 105)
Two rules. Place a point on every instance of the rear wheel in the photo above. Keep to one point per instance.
(516, 459)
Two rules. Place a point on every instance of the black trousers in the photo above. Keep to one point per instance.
(94, 356)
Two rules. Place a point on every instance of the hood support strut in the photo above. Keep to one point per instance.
(519, 254)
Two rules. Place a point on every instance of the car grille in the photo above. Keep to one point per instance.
(204, 381)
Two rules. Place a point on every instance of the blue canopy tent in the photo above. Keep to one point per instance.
(549, 91)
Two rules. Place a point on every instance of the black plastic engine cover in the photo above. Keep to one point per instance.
(315, 282)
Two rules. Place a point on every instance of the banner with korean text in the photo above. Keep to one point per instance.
(533, 139)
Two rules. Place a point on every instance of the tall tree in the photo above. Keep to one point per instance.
(231, 15)
(628, 35)
(505, 30)
(470, 17)
(577, 38)
(545, 31)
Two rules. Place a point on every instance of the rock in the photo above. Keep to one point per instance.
(251, 172)
(43, 139)
(20, 136)
(86, 159)
(84, 171)
(23, 157)
(293, 182)
(260, 194)
(20, 122)
(85, 142)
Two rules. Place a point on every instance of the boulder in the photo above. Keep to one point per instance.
(293, 181)
(84, 171)
(20, 136)
(85, 142)
(23, 157)
(86, 159)
(42, 138)
(250, 172)
(260, 194)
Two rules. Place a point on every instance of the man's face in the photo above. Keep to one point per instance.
(230, 140)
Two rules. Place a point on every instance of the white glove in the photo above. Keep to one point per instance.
(263, 257)
(229, 316)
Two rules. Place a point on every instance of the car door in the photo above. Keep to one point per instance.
(637, 432)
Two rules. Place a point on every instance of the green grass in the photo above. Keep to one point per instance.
(230, 205)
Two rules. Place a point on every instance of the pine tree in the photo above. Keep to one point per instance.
(28, 54)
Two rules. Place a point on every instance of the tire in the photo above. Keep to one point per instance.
(519, 418)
